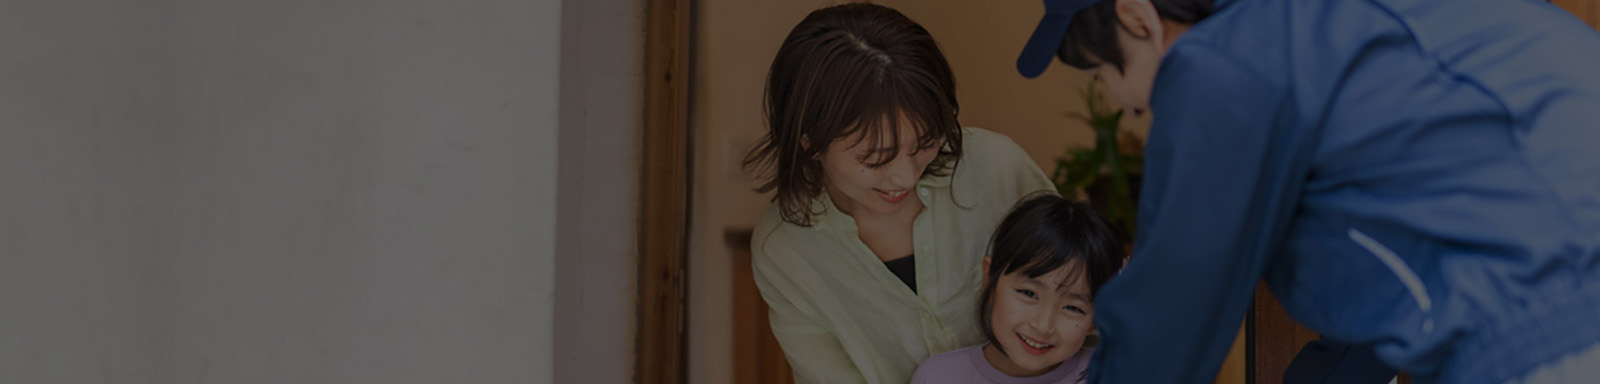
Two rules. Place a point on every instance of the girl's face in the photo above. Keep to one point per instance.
(1041, 321)
(858, 183)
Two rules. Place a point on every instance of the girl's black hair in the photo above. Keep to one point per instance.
(1092, 36)
(1046, 232)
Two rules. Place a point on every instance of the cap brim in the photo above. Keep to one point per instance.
(1042, 46)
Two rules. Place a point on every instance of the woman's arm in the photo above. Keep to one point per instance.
(815, 353)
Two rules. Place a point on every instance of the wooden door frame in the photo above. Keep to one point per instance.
(660, 349)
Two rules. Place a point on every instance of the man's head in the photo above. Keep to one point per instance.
(1120, 42)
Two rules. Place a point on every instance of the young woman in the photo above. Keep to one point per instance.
(870, 254)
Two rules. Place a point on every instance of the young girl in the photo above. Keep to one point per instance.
(869, 257)
(1048, 259)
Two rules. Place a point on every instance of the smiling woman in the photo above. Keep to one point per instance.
(864, 84)
(869, 256)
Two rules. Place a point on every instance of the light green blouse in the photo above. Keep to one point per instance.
(839, 313)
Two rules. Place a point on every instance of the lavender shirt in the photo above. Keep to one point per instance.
(967, 365)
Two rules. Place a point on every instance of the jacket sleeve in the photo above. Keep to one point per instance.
(1332, 362)
(1223, 171)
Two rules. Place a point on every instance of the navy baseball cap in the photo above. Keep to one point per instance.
(1046, 39)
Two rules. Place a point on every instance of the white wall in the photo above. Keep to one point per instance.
(81, 192)
(366, 191)
(309, 191)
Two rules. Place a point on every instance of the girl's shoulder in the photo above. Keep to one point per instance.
(956, 356)
(952, 366)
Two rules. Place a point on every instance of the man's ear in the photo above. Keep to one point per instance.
(1139, 18)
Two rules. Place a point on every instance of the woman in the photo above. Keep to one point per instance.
(870, 254)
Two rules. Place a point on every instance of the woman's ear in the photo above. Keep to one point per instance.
(805, 144)
(1140, 19)
(985, 271)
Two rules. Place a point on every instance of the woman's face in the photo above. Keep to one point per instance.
(859, 181)
(1041, 321)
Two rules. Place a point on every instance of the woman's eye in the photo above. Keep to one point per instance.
(1075, 309)
(1027, 293)
(874, 162)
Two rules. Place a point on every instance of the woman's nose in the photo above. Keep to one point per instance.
(903, 171)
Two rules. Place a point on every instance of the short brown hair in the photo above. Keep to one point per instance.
(1091, 38)
(851, 71)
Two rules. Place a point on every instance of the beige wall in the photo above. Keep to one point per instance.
(734, 44)
(734, 41)
(1586, 10)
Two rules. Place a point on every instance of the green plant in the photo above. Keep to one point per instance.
(1082, 168)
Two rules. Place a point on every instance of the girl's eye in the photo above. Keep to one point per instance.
(1075, 309)
(1027, 293)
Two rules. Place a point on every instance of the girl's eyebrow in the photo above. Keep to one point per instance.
(1033, 282)
(1062, 288)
